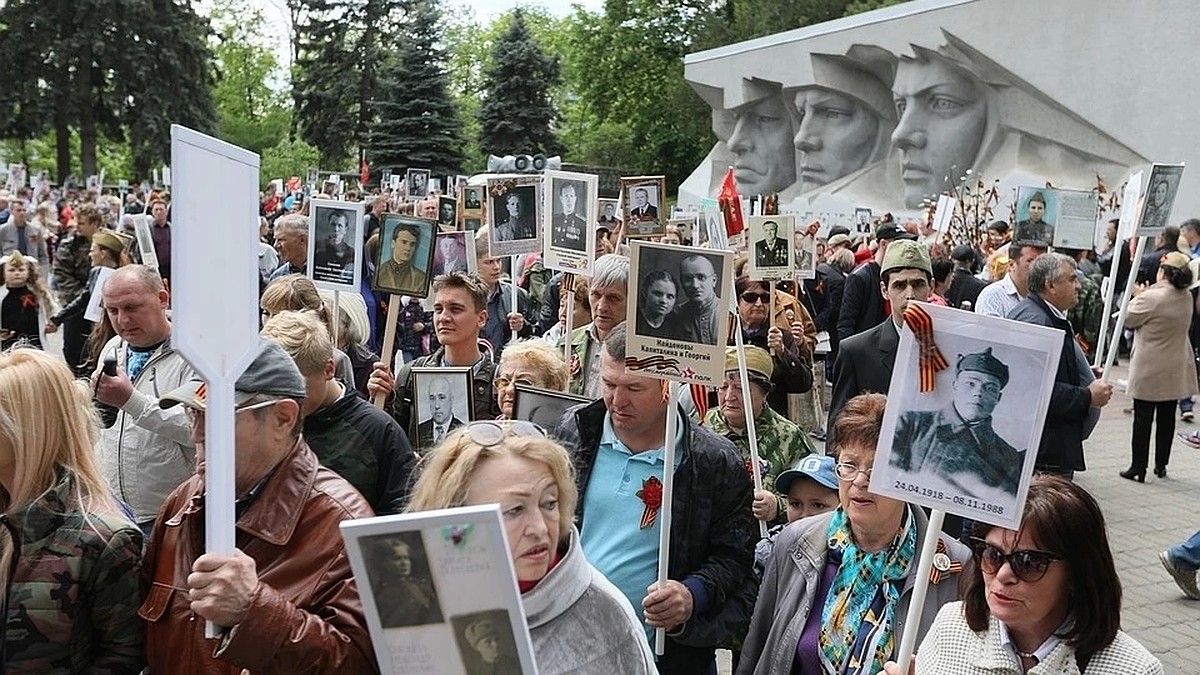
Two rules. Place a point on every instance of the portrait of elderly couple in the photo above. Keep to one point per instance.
(679, 295)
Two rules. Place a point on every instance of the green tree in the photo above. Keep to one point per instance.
(323, 78)
(287, 158)
(516, 114)
(252, 108)
(416, 122)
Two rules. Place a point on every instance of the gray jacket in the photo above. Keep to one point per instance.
(789, 585)
(35, 238)
(149, 451)
(581, 624)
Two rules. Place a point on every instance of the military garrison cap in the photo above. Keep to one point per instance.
(983, 362)
(906, 254)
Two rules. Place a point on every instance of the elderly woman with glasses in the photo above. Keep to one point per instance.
(835, 593)
(781, 327)
(529, 363)
(1045, 598)
(579, 622)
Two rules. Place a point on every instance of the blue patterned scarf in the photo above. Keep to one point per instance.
(858, 621)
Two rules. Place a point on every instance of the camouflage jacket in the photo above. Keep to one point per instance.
(71, 267)
(73, 600)
(1086, 315)
(781, 443)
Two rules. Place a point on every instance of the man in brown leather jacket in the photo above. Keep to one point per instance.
(285, 601)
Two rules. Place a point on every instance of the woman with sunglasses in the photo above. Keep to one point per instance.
(530, 363)
(781, 328)
(579, 622)
(835, 592)
(1043, 599)
(71, 580)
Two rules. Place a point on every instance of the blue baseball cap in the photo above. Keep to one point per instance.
(816, 467)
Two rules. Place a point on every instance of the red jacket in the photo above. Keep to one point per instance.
(306, 616)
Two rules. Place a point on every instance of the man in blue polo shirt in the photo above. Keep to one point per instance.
(619, 442)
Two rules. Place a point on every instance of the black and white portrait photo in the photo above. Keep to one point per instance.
(417, 181)
(513, 215)
(645, 208)
(453, 252)
(570, 208)
(401, 582)
(967, 444)
(681, 295)
(772, 255)
(443, 401)
(447, 214)
(805, 246)
(862, 221)
(335, 244)
(473, 198)
(543, 407)
(1160, 197)
(486, 644)
(609, 217)
(405, 256)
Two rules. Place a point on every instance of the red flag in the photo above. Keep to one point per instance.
(364, 173)
(731, 205)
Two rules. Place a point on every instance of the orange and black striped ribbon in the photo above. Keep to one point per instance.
(932, 359)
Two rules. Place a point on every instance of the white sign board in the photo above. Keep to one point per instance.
(94, 311)
(215, 315)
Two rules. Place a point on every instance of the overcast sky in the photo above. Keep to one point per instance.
(276, 14)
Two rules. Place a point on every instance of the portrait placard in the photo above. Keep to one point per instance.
(543, 407)
(514, 225)
(610, 214)
(1129, 206)
(417, 181)
(385, 176)
(805, 245)
(442, 397)
(1075, 226)
(712, 225)
(453, 252)
(94, 312)
(678, 312)
(685, 226)
(645, 206)
(968, 445)
(862, 221)
(394, 182)
(335, 244)
(472, 196)
(311, 177)
(439, 592)
(569, 209)
(772, 256)
(1161, 189)
(1037, 212)
(447, 214)
(405, 256)
(145, 240)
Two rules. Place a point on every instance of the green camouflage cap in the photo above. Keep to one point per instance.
(906, 254)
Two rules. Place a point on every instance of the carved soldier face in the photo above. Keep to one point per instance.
(942, 120)
(835, 136)
(765, 161)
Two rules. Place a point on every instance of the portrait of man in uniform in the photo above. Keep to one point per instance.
(771, 250)
(1035, 227)
(400, 580)
(567, 227)
(958, 443)
(401, 273)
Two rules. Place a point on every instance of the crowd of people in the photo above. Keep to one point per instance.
(102, 457)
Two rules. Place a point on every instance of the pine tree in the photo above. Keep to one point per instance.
(325, 82)
(417, 123)
(516, 115)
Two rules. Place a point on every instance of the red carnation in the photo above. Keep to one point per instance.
(651, 493)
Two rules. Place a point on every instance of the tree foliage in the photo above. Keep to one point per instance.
(104, 70)
(416, 122)
(253, 111)
(287, 158)
(516, 114)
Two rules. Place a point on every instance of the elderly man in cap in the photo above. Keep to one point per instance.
(781, 443)
(862, 307)
(957, 443)
(865, 361)
(284, 601)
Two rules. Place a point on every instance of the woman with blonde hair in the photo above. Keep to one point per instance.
(579, 622)
(297, 293)
(530, 363)
(71, 555)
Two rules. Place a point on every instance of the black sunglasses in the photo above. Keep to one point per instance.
(1028, 566)
(749, 298)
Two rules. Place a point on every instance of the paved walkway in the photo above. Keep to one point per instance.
(1143, 519)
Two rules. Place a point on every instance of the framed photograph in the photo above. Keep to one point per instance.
(678, 311)
(645, 211)
(310, 177)
(805, 245)
(610, 213)
(543, 407)
(772, 256)
(417, 181)
(570, 206)
(968, 442)
(145, 240)
(1037, 212)
(472, 196)
(472, 224)
(439, 592)
(712, 225)
(442, 398)
(335, 244)
(447, 214)
(862, 221)
(1078, 214)
(685, 226)
(514, 224)
(1160, 197)
(394, 182)
(385, 176)
(406, 254)
(454, 252)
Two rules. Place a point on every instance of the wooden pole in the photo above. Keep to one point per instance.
(389, 341)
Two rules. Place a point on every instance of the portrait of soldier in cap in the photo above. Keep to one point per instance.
(957, 443)
(400, 580)
(1035, 227)
(486, 644)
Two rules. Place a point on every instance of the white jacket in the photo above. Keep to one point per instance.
(149, 451)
